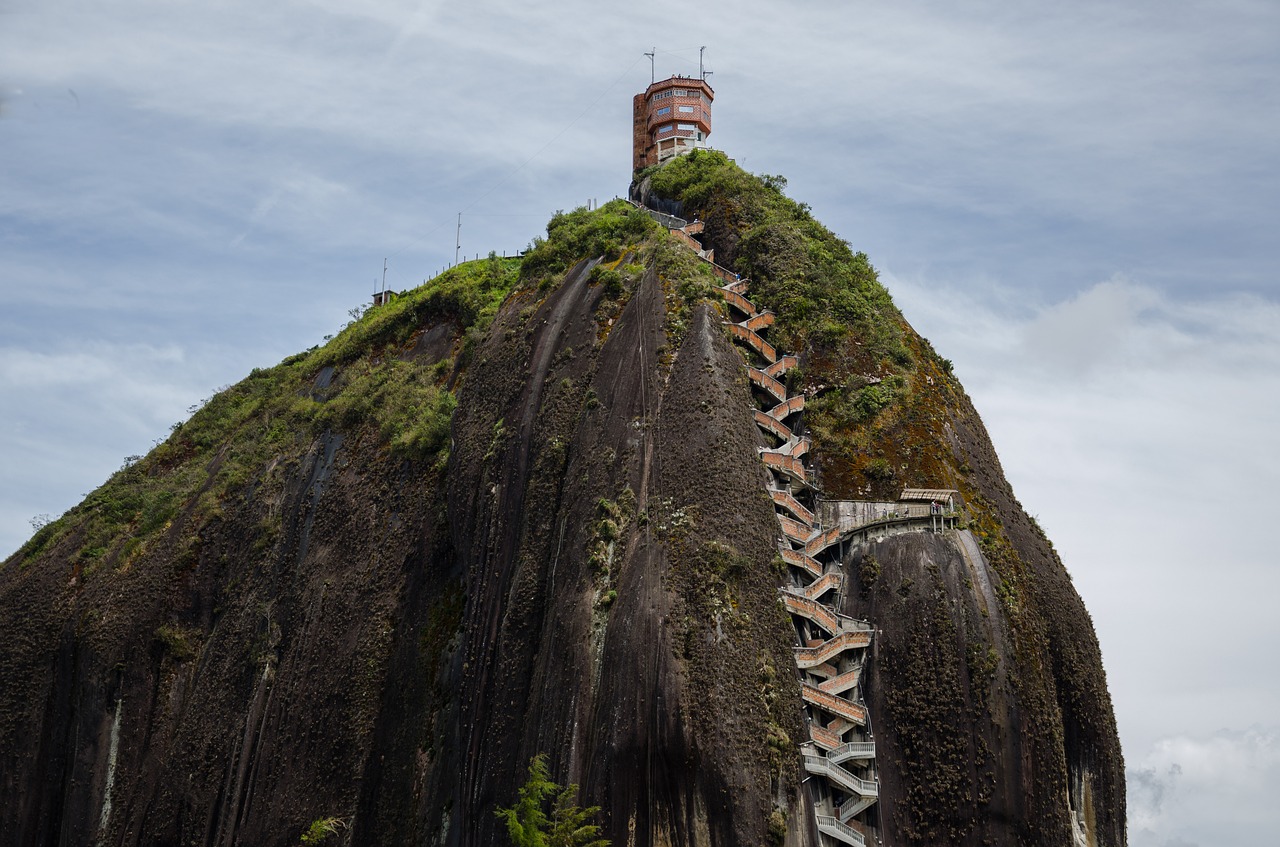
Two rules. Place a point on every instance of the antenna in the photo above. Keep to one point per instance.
(652, 71)
(384, 277)
(457, 240)
(703, 73)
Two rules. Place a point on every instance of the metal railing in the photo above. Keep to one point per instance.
(832, 826)
(855, 785)
(853, 750)
(669, 221)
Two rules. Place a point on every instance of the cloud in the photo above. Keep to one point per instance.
(73, 414)
(1206, 789)
(1076, 203)
(1140, 429)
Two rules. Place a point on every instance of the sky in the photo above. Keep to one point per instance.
(1077, 204)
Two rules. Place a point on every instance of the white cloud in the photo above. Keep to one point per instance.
(72, 415)
(1140, 429)
(1206, 789)
(1079, 204)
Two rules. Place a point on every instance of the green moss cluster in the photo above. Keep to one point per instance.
(242, 436)
(858, 366)
(586, 233)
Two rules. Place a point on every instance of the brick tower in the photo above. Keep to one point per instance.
(669, 119)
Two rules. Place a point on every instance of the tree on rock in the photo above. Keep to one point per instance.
(545, 815)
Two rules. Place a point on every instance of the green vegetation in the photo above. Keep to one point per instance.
(545, 815)
(859, 368)
(870, 570)
(820, 289)
(369, 379)
(177, 642)
(321, 829)
(587, 234)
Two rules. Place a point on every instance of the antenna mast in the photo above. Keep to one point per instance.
(384, 277)
(457, 240)
(652, 67)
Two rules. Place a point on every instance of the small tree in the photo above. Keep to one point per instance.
(545, 814)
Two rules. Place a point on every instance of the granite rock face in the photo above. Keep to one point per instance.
(345, 630)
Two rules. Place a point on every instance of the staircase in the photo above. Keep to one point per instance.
(831, 649)
(830, 660)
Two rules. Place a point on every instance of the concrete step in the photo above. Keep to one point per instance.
(742, 304)
(820, 654)
(755, 342)
(768, 384)
(784, 410)
(838, 706)
(773, 425)
(784, 500)
(789, 465)
(793, 529)
(841, 683)
(802, 560)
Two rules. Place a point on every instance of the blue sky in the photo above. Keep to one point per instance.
(1077, 203)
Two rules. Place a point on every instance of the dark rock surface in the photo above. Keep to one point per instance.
(387, 641)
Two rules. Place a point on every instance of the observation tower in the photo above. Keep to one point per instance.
(671, 118)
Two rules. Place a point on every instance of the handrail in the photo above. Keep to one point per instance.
(839, 684)
(791, 504)
(821, 542)
(831, 580)
(768, 383)
(831, 620)
(788, 464)
(764, 348)
(669, 221)
(796, 447)
(807, 657)
(739, 302)
(802, 560)
(785, 362)
(833, 827)
(772, 424)
(856, 785)
(795, 530)
(856, 803)
(852, 750)
(733, 282)
(787, 409)
(833, 704)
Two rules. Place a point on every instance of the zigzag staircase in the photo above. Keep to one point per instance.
(831, 649)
